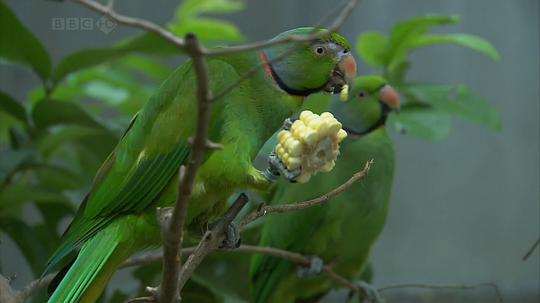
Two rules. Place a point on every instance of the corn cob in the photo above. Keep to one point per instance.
(311, 144)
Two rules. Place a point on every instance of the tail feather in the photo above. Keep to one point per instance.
(91, 262)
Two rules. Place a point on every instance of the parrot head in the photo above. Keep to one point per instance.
(370, 101)
(302, 68)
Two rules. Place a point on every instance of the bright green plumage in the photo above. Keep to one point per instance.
(117, 218)
(342, 231)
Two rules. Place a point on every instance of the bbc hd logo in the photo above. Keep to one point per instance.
(104, 24)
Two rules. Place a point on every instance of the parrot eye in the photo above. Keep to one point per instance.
(319, 50)
(362, 95)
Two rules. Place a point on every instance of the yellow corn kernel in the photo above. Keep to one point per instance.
(344, 93)
(341, 134)
(295, 148)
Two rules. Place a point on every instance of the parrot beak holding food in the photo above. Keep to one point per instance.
(342, 75)
(390, 97)
(347, 66)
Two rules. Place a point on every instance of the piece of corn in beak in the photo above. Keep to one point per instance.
(344, 93)
(311, 144)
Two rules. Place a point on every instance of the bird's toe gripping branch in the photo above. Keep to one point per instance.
(232, 237)
(371, 295)
(315, 268)
(306, 146)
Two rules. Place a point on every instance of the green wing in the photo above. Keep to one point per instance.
(137, 170)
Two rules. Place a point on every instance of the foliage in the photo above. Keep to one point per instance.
(428, 108)
(52, 143)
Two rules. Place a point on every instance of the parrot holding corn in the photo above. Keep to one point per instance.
(342, 231)
(117, 218)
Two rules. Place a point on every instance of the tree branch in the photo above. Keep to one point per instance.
(345, 12)
(531, 250)
(268, 209)
(133, 22)
(172, 236)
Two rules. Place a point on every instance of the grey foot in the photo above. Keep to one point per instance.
(232, 237)
(276, 168)
(287, 124)
(315, 268)
(370, 293)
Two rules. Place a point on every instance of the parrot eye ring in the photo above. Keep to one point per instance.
(319, 50)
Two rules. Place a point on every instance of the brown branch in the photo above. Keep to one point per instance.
(168, 291)
(268, 209)
(9, 295)
(133, 22)
(444, 286)
(211, 240)
(300, 260)
(346, 11)
(531, 250)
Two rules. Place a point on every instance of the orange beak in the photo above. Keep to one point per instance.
(390, 97)
(348, 66)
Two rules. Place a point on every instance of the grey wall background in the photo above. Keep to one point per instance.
(466, 209)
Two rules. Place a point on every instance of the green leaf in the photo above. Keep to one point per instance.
(146, 66)
(407, 31)
(210, 31)
(371, 46)
(422, 122)
(11, 160)
(192, 8)
(27, 241)
(58, 178)
(10, 106)
(18, 44)
(146, 43)
(57, 138)
(49, 113)
(458, 101)
(16, 194)
(471, 41)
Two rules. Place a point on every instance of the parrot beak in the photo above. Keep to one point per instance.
(390, 97)
(342, 76)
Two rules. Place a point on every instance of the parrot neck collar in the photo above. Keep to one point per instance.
(271, 73)
(380, 122)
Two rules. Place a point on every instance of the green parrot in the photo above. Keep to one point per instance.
(117, 218)
(341, 232)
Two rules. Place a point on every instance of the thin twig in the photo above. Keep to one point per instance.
(531, 250)
(9, 295)
(268, 209)
(347, 10)
(211, 240)
(133, 22)
(172, 238)
(444, 286)
(300, 260)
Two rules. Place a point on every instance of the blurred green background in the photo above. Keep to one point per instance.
(464, 209)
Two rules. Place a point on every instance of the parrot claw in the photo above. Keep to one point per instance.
(370, 293)
(287, 124)
(232, 237)
(276, 168)
(315, 268)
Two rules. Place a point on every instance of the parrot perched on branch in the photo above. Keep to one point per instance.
(117, 218)
(342, 231)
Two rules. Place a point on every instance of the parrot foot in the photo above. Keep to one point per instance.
(232, 237)
(315, 268)
(287, 124)
(277, 168)
(369, 293)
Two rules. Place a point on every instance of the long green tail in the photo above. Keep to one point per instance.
(89, 274)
